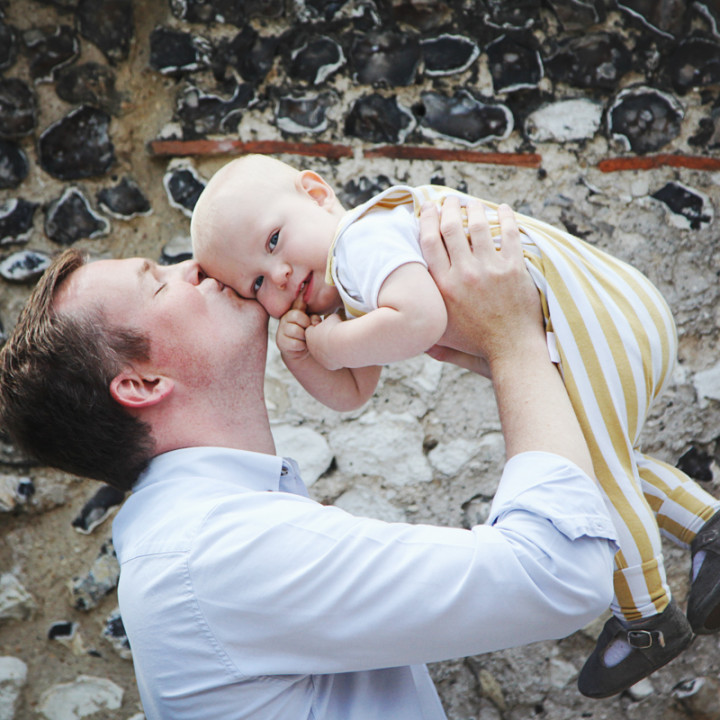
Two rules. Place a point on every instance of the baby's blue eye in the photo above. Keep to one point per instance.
(273, 241)
(258, 282)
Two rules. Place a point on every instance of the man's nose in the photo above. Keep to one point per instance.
(187, 271)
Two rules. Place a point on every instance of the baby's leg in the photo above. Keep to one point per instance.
(641, 588)
(680, 505)
(689, 515)
(617, 344)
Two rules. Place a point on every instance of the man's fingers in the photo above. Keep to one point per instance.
(511, 246)
(453, 231)
(431, 243)
(481, 239)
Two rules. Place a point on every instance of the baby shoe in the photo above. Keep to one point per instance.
(650, 643)
(703, 608)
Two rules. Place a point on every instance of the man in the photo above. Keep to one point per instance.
(243, 598)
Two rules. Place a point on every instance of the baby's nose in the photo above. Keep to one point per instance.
(281, 275)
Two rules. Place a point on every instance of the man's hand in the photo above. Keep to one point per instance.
(290, 337)
(491, 300)
(494, 311)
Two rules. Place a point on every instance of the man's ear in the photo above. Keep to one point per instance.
(133, 389)
(314, 185)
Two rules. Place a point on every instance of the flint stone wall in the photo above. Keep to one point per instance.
(596, 115)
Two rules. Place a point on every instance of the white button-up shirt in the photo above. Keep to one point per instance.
(243, 599)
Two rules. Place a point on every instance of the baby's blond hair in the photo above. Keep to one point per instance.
(225, 185)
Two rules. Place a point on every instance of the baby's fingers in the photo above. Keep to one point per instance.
(295, 317)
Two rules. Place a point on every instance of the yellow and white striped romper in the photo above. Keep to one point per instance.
(617, 345)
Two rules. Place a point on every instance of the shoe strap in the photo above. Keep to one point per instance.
(643, 639)
(707, 537)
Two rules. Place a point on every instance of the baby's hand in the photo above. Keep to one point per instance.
(320, 344)
(290, 337)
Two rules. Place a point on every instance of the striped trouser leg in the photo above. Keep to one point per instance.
(616, 341)
(680, 505)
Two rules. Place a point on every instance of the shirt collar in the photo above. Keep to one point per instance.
(251, 470)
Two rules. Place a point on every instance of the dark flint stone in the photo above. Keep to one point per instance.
(597, 60)
(17, 108)
(25, 489)
(183, 187)
(710, 10)
(316, 60)
(91, 84)
(226, 11)
(421, 15)
(125, 200)
(109, 25)
(358, 191)
(248, 53)
(697, 464)
(577, 15)
(513, 65)
(304, 114)
(516, 15)
(114, 632)
(378, 119)
(200, 113)
(708, 135)
(78, 146)
(97, 508)
(174, 52)
(14, 165)
(463, 118)
(64, 629)
(49, 48)
(663, 16)
(114, 627)
(64, 4)
(646, 118)
(8, 46)
(325, 9)
(71, 218)
(16, 220)
(448, 54)
(24, 266)
(89, 590)
(695, 64)
(177, 250)
(385, 58)
(683, 201)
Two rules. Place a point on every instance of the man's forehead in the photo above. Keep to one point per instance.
(95, 280)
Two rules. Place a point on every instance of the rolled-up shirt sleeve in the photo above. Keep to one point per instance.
(286, 585)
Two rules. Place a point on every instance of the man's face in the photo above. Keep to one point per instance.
(274, 249)
(198, 328)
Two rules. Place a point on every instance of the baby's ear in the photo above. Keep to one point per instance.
(310, 182)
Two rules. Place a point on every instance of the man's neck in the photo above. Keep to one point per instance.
(242, 426)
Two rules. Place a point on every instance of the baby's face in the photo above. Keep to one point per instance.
(273, 249)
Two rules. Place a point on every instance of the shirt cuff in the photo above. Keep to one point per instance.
(552, 487)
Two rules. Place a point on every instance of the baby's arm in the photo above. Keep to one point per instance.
(411, 318)
(342, 389)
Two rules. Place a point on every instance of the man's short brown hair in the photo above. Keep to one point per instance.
(55, 373)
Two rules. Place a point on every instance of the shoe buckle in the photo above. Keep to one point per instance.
(643, 639)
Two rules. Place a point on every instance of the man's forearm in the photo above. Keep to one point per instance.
(535, 410)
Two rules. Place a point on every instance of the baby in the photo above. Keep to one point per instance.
(281, 236)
